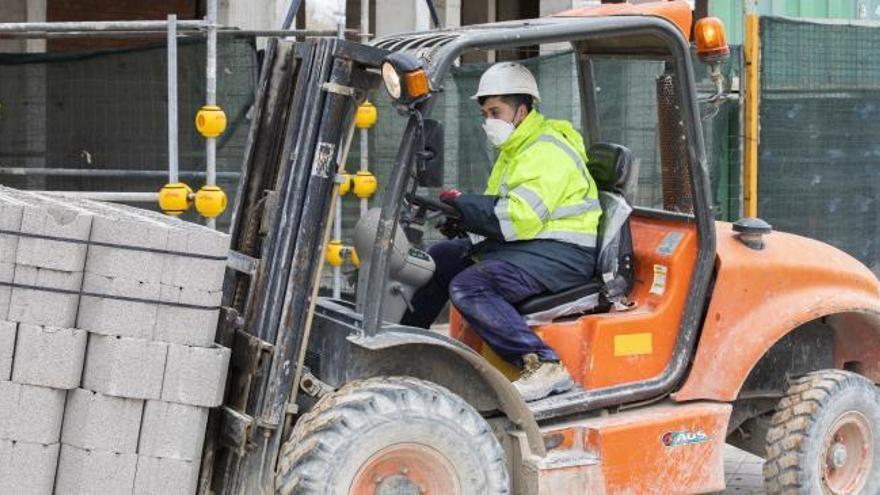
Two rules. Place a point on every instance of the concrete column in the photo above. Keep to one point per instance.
(550, 7)
(35, 95)
(256, 14)
(449, 12)
(324, 15)
(401, 16)
(13, 11)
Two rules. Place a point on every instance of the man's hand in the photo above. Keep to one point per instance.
(449, 196)
(451, 229)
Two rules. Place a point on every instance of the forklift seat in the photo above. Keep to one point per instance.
(616, 172)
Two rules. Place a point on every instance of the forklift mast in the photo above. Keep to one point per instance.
(303, 126)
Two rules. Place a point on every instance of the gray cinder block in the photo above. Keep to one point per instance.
(122, 230)
(56, 218)
(124, 367)
(194, 273)
(141, 266)
(45, 307)
(174, 431)
(49, 356)
(7, 274)
(94, 421)
(94, 472)
(10, 221)
(193, 238)
(134, 227)
(109, 316)
(195, 375)
(29, 413)
(184, 324)
(27, 468)
(165, 476)
(7, 347)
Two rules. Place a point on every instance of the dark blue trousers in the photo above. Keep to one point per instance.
(484, 293)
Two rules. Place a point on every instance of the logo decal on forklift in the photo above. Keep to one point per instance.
(658, 287)
(684, 437)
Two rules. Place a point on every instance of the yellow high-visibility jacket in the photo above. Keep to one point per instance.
(539, 188)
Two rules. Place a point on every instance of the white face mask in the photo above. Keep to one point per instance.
(498, 131)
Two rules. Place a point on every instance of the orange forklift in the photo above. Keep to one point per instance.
(722, 333)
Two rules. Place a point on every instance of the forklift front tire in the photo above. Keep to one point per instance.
(392, 435)
(825, 437)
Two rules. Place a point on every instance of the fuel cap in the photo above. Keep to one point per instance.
(750, 231)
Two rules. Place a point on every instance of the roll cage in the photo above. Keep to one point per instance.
(636, 36)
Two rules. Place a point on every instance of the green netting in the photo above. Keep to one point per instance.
(819, 156)
(108, 110)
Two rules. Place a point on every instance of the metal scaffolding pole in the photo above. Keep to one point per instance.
(107, 172)
(121, 197)
(337, 214)
(109, 26)
(172, 100)
(364, 137)
(191, 33)
(211, 98)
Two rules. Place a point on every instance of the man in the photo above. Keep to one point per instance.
(536, 226)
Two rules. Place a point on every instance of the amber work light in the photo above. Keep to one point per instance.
(711, 40)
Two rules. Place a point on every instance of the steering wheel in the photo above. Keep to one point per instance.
(451, 226)
(434, 205)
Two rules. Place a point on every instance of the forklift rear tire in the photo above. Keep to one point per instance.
(824, 436)
(392, 435)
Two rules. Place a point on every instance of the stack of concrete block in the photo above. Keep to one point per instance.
(43, 244)
(108, 364)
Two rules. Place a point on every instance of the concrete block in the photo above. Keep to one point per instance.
(52, 218)
(194, 273)
(27, 468)
(124, 227)
(108, 316)
(124, 367)
(49, 356)
(29, 413)
(195, 375)
(174, 431)
(141, 266)
(11, 211)
(166, 476)
(187, 325)
(7, 274)
(44, 307)
(85, 472)
(141, 228)
(95, 421)
(7, 347)
(193, 238)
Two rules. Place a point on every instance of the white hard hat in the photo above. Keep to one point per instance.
(507, 78)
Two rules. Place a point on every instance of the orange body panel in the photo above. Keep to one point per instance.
(661, 449)
(678, 12)
(760, 296)
(607, 349)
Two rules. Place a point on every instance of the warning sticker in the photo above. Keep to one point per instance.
(659, 285)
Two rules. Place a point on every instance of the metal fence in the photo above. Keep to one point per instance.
(819, 155)
(98, 121)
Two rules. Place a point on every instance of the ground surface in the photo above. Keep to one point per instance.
(742, 472)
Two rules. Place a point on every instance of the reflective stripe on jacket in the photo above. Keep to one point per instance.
(543, 187)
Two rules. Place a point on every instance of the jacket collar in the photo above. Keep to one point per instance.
(526, 132)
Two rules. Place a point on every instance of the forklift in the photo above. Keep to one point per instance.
(723, 333)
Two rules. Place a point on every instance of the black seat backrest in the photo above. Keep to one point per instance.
(614, 168)
(616, 172)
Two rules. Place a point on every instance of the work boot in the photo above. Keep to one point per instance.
(540, 379)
